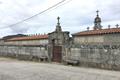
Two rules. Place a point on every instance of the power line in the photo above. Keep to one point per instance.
(34, 15)
(63, 4)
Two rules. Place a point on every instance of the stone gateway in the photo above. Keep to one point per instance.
(57, 41)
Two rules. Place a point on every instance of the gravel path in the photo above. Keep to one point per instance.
(11, 69)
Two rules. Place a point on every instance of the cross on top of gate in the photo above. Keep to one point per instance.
(58, 20)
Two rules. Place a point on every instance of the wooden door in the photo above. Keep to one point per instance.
(57, 53)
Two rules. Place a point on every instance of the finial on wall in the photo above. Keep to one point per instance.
(88, 28)
(117, 25)
(109, 26)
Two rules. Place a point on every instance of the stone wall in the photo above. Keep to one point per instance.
(112, 38)
(27, 42)
(96, 55)
(99, 56)
(28, 52)
(88, 39)
(106, 38)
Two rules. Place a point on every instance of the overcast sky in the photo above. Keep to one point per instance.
(76, 15)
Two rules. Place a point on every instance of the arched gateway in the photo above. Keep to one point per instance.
(57, 41)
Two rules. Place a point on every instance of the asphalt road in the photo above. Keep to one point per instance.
(11, 69)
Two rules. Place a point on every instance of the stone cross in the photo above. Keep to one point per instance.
(97, 12)
(58, 20)
(116, 25)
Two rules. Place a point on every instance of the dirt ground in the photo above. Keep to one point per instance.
(12, 69)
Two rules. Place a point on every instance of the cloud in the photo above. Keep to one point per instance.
(75, 15)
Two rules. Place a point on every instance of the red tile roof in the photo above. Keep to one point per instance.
(98, 32)
(34, 37)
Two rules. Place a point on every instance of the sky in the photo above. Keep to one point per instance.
(75, 15)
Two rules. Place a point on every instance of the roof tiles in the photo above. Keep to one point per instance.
(98, 32)
(34, 37)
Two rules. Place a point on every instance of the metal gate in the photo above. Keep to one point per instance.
(57, 53)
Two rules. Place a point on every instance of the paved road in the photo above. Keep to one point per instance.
(24, 70)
